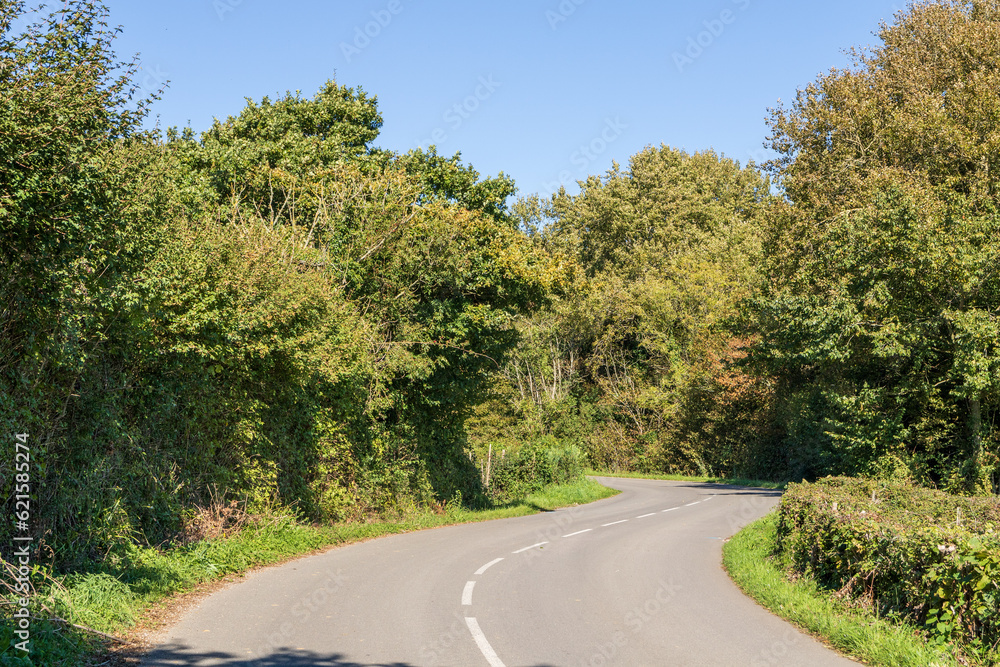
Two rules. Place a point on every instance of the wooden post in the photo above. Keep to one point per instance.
(489, 462)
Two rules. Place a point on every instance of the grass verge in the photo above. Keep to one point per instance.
(852, 631)
(117, 598)
(735, 481)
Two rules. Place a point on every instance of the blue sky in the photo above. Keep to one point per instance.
(547, 91)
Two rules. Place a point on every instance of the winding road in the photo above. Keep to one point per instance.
(631, 580)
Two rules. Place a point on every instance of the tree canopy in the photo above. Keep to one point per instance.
(882, 304)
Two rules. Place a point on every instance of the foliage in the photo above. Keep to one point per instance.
(632, 359)
(82, 202)
(532, 467)
(923, 555)
(855, 631)
(880, 315)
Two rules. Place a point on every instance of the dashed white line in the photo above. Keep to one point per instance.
(529, 548)
(488, 565)
(484, 646)
(579, 532)
(467, 593)
(477, 632)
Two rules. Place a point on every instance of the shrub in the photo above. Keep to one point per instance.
(924, 555)
(536, 464)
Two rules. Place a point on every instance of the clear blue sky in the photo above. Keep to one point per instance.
(521, 86)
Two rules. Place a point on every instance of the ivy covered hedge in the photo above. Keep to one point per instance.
(923, 555)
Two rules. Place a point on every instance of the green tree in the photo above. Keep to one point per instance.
(666, 248)
(82, 209)
(423, 250)
(882, 312)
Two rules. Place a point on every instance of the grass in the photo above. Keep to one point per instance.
(855, 632)
(735, 481)
(114, 599)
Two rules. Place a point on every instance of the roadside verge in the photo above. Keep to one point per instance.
(853, 631)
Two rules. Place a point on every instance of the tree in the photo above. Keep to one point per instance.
(883, 305)
(667, 249)
(82, 210)
(73, 229)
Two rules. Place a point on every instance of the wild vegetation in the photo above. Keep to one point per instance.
(280, 314)
(852, 626)
(925, 556)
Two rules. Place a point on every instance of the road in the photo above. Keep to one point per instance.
(631, 580)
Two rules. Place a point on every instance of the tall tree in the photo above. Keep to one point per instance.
(883, 314)
(668, 248)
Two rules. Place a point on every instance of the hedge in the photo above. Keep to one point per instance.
(924, 555)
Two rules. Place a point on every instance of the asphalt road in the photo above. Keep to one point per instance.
(631, 580)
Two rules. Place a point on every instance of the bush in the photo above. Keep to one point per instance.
(915, 553)
(536, 464)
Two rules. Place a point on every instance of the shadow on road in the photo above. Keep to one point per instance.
(179, 655)
(733, 490)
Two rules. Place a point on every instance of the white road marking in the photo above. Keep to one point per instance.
(694, 503)
(531, 547)
(579, 532)
(467, 593)
(614, 523)
(707, 499)
(484, 646)
(488, 565)
(671, 509)
(645, 515)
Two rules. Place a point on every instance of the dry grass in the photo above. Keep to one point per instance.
(217, 519)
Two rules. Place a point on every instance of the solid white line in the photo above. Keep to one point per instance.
(488, 565)
(614, 523)
(645, 515)
(579, 532)
(671, 509)
(467, 593)
(484, 646)
(531, 547)
(707, 499)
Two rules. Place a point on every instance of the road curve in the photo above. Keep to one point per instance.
(631, 580)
